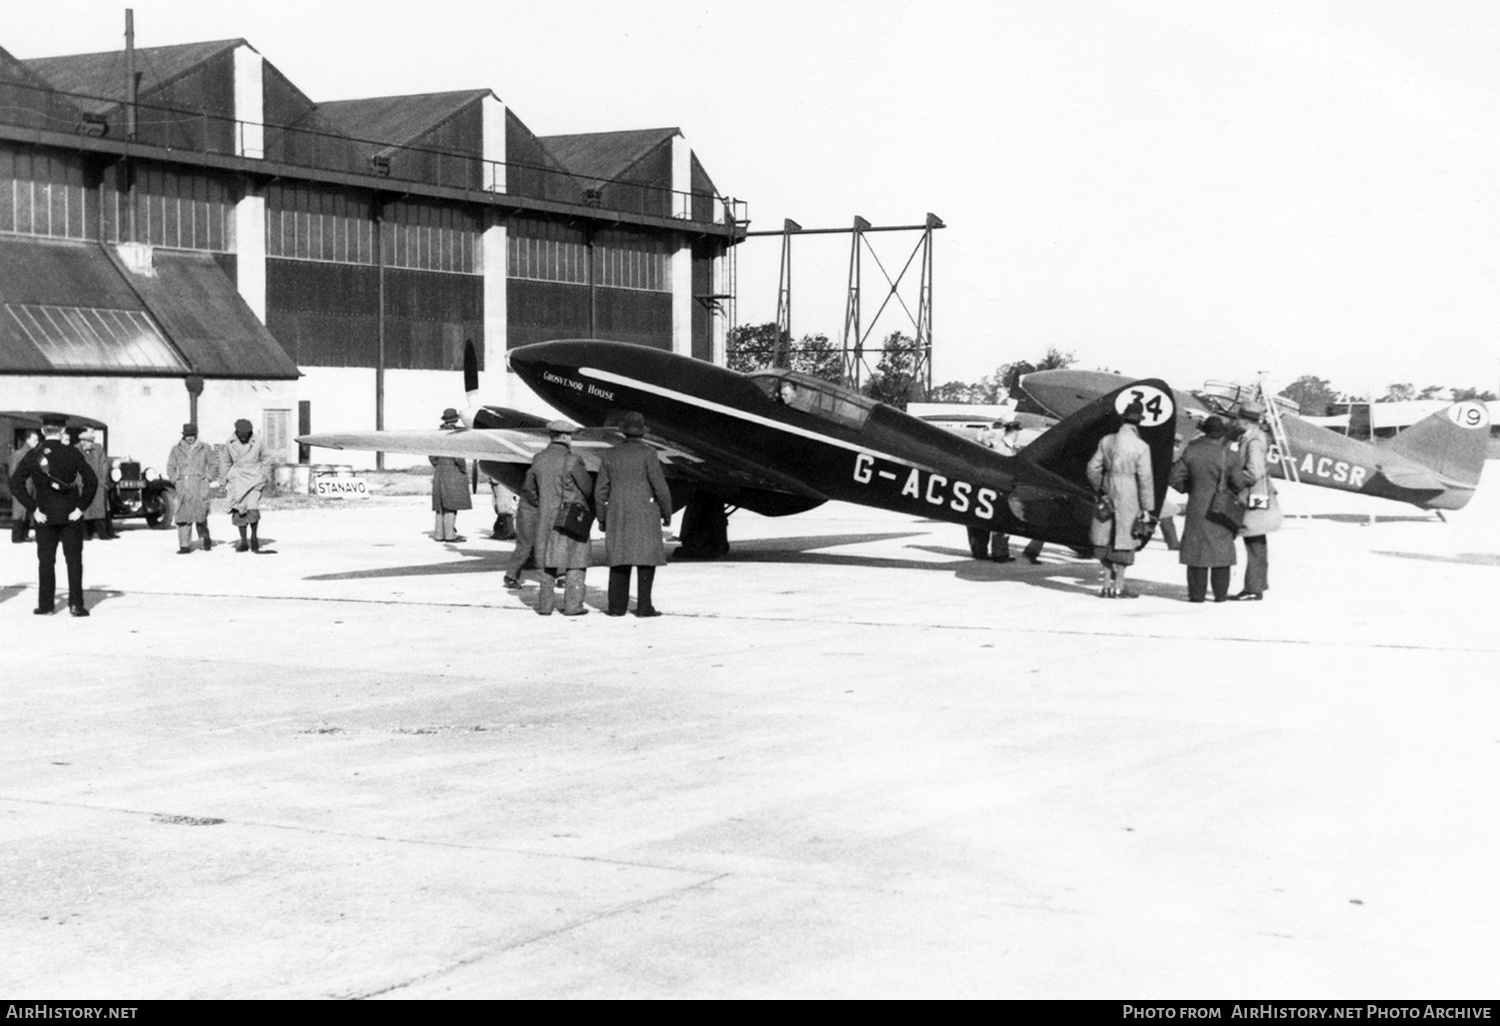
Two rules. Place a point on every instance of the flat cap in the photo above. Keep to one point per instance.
(54, 420)
(1252, 411)
(561, 427)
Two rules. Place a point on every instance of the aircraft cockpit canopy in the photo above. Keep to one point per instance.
(1227, 397)
(813, 395)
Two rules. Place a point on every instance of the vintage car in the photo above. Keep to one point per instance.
(136, 491)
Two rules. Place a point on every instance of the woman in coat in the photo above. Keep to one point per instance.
(243, 471)
(1207, 546)
(557, 476)
(632, 502)
(190, 468)
(1121, 471)
(450, 488)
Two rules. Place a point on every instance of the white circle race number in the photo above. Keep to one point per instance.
(1157, 404)
(1469, 414)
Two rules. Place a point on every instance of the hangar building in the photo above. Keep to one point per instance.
(213, 243)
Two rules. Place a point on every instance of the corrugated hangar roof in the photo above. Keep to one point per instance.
(606, 156)
(208, 320)
(397, 120)
(13, 69)
(103, 74)
(72, 307)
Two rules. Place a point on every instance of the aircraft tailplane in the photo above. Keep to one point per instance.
(1452, 442)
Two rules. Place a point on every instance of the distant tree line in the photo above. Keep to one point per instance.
(753, 346)
(1316, 396)
(894, 381)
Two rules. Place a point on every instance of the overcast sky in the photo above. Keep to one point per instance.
(1182, 189)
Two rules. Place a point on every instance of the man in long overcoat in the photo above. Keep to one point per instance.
(1262, 513)
(191, 466)
(557, 476)
(450, 488)
(243, 471)
(20, 515)
(1207, 548)
(96, 517)
(633, 503)
(1121, 470)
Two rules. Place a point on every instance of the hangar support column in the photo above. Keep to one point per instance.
(681, 264)
(250, 211)
(250, 247)
(495, 249)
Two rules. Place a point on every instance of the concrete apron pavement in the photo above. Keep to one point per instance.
(849, 761)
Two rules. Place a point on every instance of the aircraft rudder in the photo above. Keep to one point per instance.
(1067, 447)
(1453, 442)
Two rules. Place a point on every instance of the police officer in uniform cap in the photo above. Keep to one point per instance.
(62, 485)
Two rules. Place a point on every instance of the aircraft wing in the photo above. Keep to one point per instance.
(494, 445)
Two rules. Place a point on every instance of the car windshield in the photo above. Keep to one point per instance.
(815, 396)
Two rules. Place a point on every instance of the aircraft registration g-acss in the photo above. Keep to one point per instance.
(780, 442)
(1434, 464)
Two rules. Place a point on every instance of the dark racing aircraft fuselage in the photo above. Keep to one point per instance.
(824, 443)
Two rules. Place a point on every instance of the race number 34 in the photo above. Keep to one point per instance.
(1157, 404)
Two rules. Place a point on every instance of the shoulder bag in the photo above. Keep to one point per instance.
(574, 515)
(1225, 508)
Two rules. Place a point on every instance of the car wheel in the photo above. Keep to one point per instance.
(157, 516)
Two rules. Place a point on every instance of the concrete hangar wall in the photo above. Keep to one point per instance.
(320, 265)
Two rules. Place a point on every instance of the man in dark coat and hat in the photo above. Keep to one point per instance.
(450, 488)
(633, 503)
(56, 484)
(1207, 548)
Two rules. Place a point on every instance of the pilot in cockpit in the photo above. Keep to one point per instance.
(787, 393)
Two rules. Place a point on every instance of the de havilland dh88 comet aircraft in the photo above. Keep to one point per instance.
(1434, 464)
(779, 442)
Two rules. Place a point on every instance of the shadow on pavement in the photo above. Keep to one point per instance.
(476, 562)
(1463, 558)
(1361, 518)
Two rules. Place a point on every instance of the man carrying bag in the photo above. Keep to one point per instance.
(556, 484)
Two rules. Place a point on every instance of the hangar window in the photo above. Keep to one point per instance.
(174, 209)
(93, 339)
(631, 260)
(813, 395)
(547, 251)
(44, 194)
(305, 222)
(432, 237)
